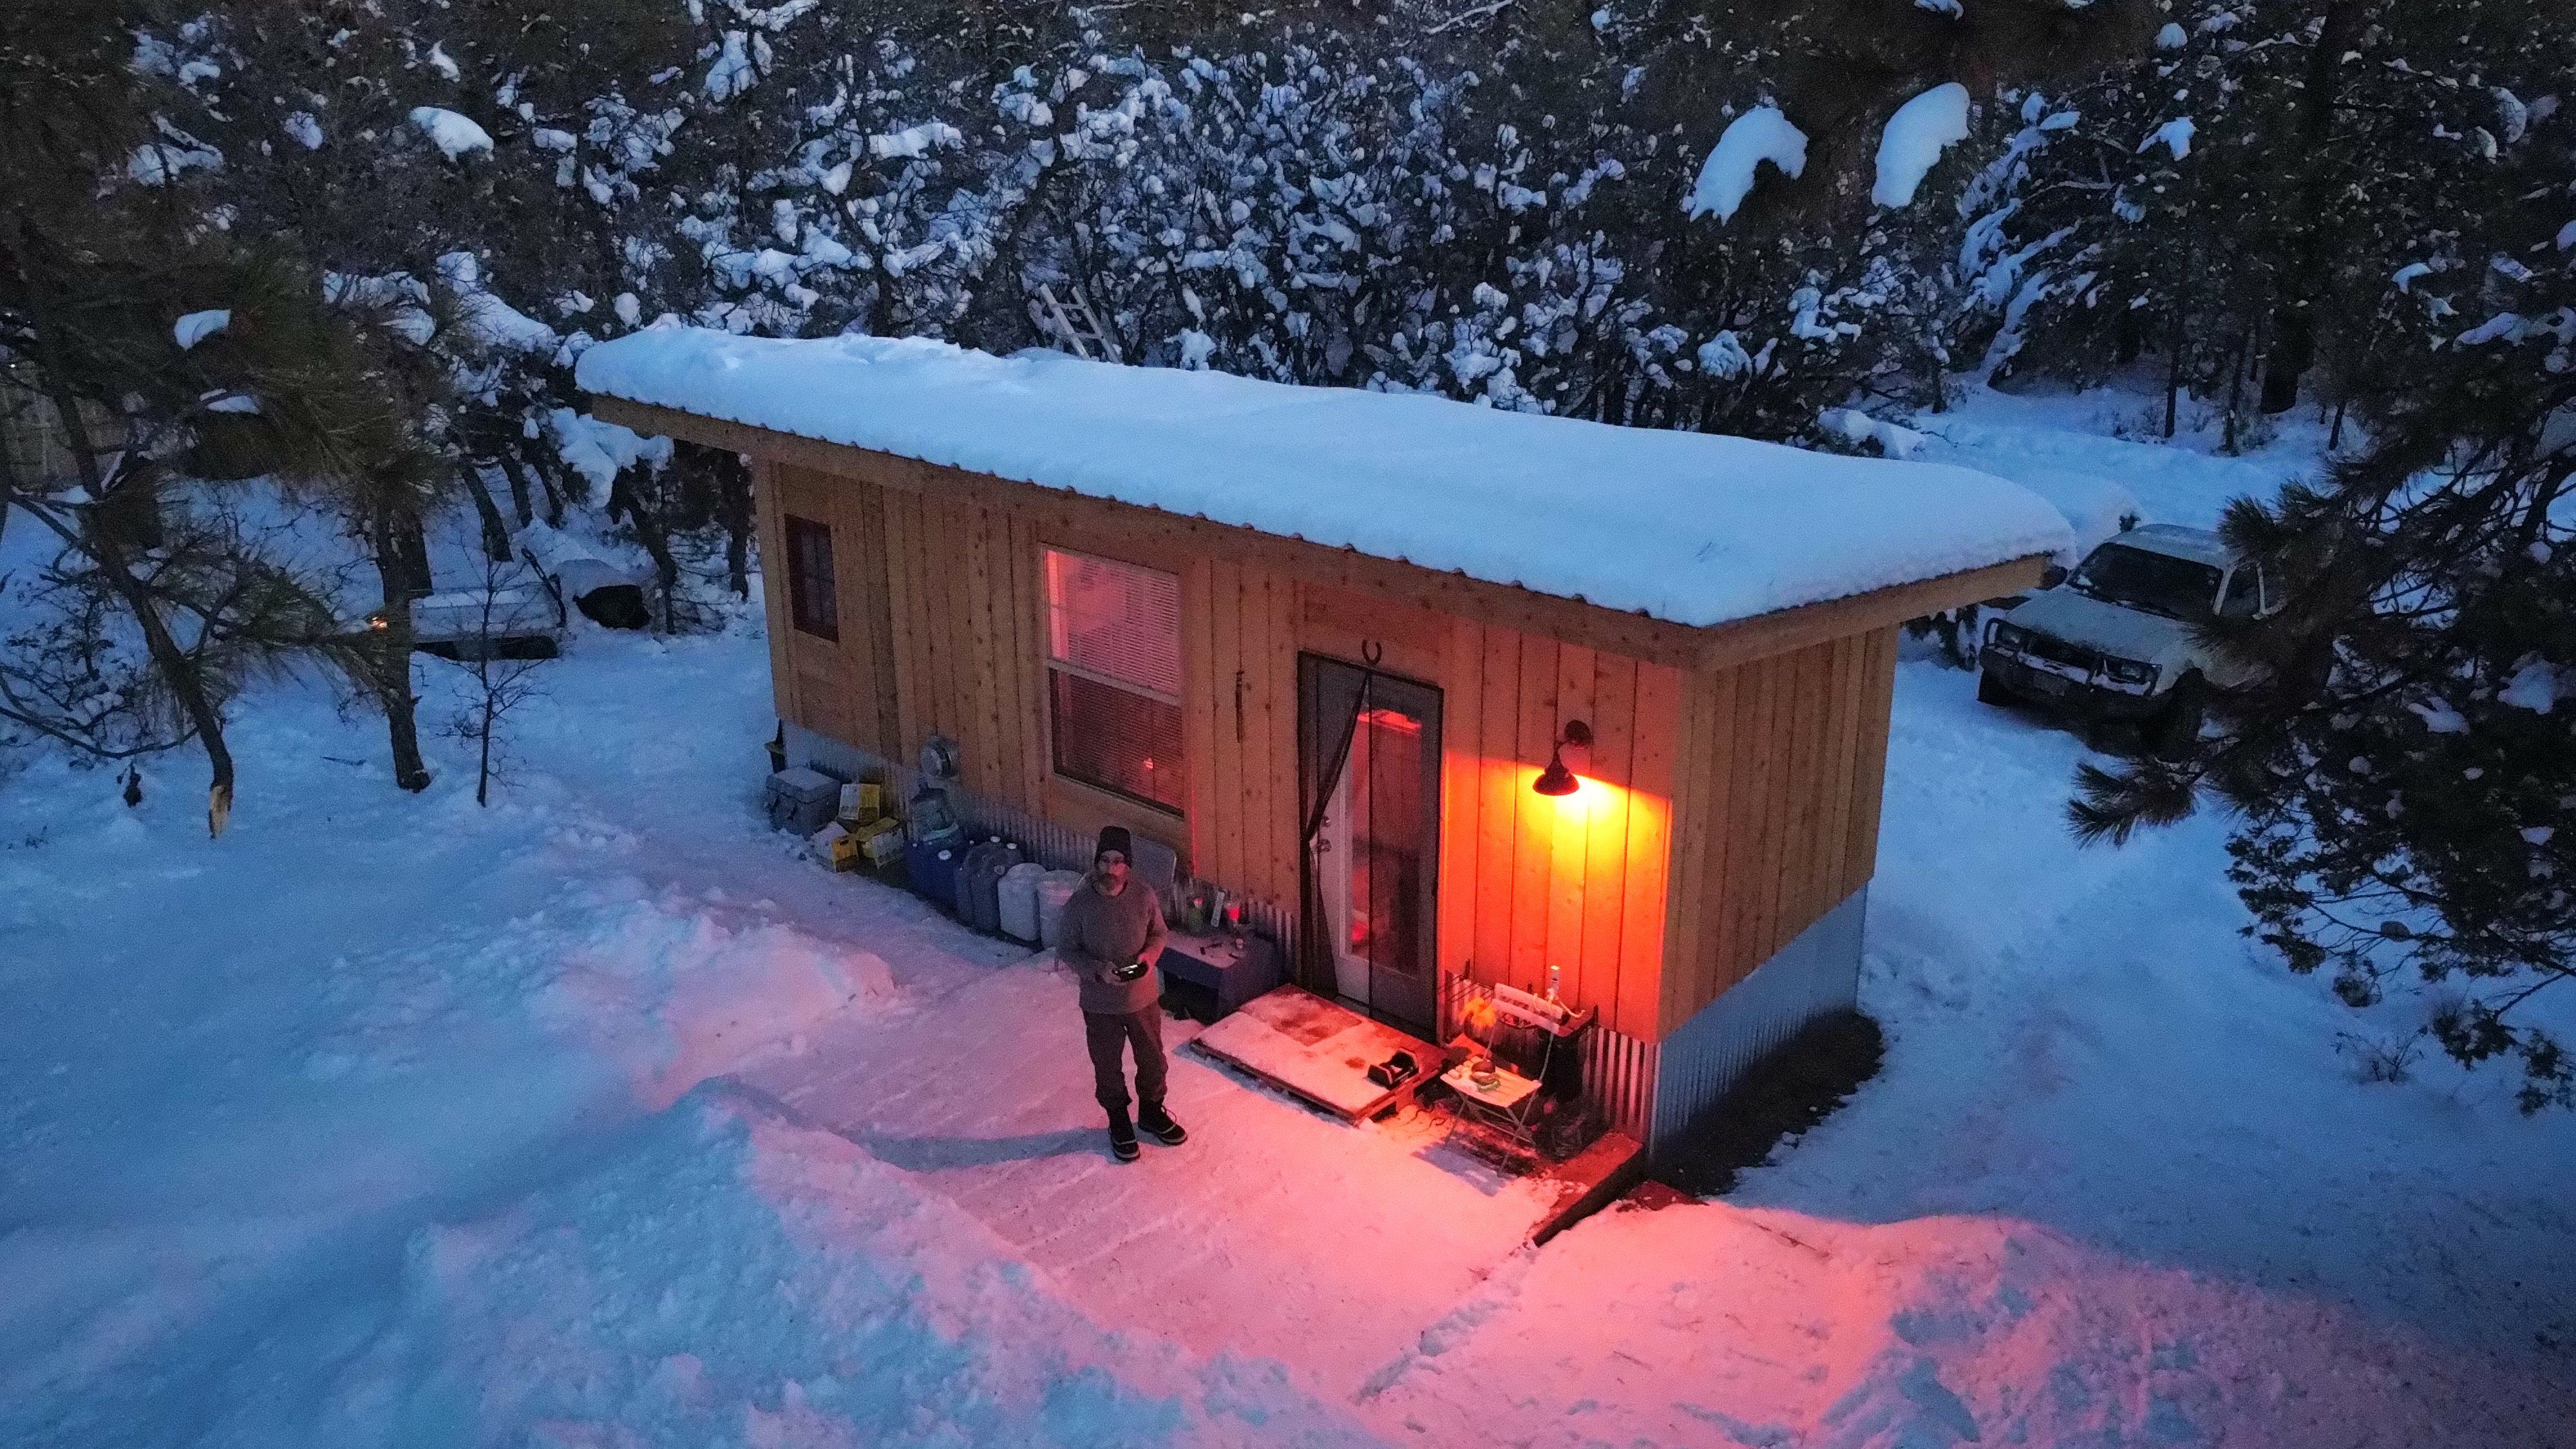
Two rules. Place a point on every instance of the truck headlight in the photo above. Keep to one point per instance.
(2008, 636)
(2129, 671)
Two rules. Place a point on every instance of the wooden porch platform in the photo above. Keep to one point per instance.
(1316, 1050)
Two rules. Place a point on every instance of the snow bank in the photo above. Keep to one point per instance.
(451, 133)
(1941, 1331)
(1726, 177)
(1688, 527)
(1915, 137)
(679, 996)
(736, 1277)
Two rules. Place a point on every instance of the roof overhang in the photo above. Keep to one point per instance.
(1636, 635)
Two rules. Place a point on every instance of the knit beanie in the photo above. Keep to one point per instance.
(1113, 837)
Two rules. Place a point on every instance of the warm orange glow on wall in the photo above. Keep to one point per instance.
(1591, 797)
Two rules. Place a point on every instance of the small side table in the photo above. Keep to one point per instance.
(1504, 1106)
(1236, 968)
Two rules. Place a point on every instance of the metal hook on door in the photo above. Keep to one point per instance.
(1371, 652)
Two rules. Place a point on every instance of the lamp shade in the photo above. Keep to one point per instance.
(1556, 779)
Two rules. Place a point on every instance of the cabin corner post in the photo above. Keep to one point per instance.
(769, 526)
(1774, 839)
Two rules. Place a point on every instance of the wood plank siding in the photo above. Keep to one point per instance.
(1777, 809)
(1731, 792)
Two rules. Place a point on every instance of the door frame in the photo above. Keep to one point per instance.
(1319, 734)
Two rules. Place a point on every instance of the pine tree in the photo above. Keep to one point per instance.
(169, 351)
(2404, 769)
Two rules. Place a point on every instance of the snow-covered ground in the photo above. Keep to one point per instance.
(601, 1118)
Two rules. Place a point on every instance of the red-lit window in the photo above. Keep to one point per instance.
(1114, 676)
(810, 599)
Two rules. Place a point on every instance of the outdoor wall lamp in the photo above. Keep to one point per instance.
(1556, 779)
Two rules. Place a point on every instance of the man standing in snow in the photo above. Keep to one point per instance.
(1112, 936)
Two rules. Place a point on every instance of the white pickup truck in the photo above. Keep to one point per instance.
(2118, 638)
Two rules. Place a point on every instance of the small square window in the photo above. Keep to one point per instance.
(811, 600)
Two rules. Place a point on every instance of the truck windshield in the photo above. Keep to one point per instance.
(2158, 583)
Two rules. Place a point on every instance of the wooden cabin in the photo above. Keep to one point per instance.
(1093, 579)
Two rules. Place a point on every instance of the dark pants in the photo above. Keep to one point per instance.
(1107, 1036)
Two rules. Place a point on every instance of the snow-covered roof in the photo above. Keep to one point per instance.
(1692, 528)
(2200, 545)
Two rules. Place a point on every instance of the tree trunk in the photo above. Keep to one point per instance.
(483, 738)
(546, 476)
(518, 476)
(390, 666)
(2237, 367)
(411, 546)
(2294, 344)
(496, 533)
(2173, 375)
(178, 672)
(649, 532)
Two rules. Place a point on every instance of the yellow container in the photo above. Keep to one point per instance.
(845, 852)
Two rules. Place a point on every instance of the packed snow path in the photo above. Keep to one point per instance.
(583, 1120)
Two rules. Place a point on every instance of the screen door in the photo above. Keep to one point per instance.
(1372, 766)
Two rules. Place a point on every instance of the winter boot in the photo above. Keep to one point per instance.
(1122, 1138)
(1159, 1122)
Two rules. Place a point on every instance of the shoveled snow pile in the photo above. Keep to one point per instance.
(1915, 137)
(1761, 134)
(699, 992)
(1689, 527)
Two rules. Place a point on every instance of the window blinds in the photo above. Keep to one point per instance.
(1115, 621)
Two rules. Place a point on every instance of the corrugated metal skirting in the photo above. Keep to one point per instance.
(1814, 974)
(1618, 1071)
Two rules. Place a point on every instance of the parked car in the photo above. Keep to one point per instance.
(2118, 637)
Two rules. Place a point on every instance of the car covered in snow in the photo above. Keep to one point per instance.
(2119, 637)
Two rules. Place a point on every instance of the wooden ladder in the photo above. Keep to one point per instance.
(1079, 326)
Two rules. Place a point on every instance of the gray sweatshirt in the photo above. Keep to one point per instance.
(1103, 932)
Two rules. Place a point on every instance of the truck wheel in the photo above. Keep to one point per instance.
(2179, 727)
(1989, 692)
